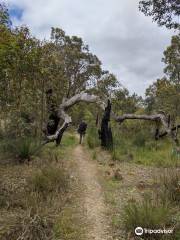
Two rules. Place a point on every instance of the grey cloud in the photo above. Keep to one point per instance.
(127, 42)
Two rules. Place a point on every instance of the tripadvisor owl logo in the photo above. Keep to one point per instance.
(139, 231)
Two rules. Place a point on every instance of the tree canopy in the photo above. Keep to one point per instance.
(63, 66)
(164, 12)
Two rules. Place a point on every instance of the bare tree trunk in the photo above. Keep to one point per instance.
(158, 118)
(57, 133)
(105, 134)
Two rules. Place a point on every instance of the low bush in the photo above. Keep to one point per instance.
(67, 226)
(49, 179)
(149, 214)
(28, 227)
(139, 140)
(170, 186)
(93, 138)
(116, 155)
(26, 148)
(68, 140)
(22, 149)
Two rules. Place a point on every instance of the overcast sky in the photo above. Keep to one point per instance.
(128, 43)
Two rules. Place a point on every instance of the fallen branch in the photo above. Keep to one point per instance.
(158, 118)
(172, 129)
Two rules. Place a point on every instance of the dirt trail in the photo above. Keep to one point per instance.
(92, 195)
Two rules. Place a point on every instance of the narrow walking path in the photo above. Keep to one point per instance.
(92, 195)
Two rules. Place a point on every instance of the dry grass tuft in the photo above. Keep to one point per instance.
(29, 227)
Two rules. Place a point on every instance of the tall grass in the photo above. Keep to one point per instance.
(21, 149)
(48, 180)
(93, 137)
(68, 140)
(140, 148)
(158, 210)
(170, 186)
(149, 214)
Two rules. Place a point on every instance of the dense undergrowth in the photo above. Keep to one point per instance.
(133, 143)
(34, 194)
(158, 209)
(158, 206)
(20, 149)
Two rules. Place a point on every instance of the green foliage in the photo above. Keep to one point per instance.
(25, 148)
(49, 179)
(139, 140)
(164, 93)
(93, 137)
(134, 142)
(29, 67)
(67, 226)
(68, 140)
(171, 59)
(148, 214)
(123, 102)
(107, 85)
(165, 13)
(21, 148)
(4, 15)
(170, 184)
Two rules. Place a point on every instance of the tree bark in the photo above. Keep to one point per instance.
(61, 114)
(158, 118)
(105, 133)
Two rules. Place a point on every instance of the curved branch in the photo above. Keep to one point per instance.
(88, 98)
(154, 117)
(160, 117)
(172, 129)
(65, 105)
(81, 97)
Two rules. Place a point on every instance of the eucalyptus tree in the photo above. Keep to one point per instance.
(164, 12)
(4, 15)
(164, 94)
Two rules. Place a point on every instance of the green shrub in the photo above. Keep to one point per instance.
(139, 140)
(68, 140)
(93, 138)
(116, 155)
(29, 226)
(49, 179)
(25, 148)
(170, 182)
(68, 227)
(21, 149)
(150, 214)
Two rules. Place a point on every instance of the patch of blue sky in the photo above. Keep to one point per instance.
(15, 12)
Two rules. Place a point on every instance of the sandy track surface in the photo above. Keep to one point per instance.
(92, 195)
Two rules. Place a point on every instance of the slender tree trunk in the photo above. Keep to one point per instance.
(105, 133)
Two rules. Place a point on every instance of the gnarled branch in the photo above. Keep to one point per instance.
(65, 105)
(90, 98)
(159, 117)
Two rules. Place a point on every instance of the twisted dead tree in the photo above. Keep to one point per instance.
(159, 119)
(54, 132)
